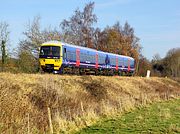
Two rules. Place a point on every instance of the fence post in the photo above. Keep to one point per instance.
(50, 121)
(148, 73)
(82, 108)
(28, 125)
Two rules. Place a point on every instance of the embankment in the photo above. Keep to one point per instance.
(74, 101)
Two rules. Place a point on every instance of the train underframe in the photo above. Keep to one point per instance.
(88, 71)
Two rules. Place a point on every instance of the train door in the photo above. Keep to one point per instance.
(107, 61)
(96, 60)
(117, 63)
(77, 57)
(64, 54)
(129, 68)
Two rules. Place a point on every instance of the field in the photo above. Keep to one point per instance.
(161, 117)
(74, 102)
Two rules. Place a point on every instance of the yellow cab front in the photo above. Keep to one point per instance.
(50, 56)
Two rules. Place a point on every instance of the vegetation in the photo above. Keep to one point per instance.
(161, 117)
(4, 37)
(75, 102)
(168, 66)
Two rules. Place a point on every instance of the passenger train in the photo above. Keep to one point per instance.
(59, 57)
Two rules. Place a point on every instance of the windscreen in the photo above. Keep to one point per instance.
(49, 52)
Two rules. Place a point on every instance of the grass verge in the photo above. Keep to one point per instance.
(161, 117)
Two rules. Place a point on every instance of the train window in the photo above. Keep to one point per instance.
(125, 62)
(120, 62)
(92, 59)
(86, 57)
(68, 55)
(132, 64)
(101, 60)
(82, 57)
(74, 55)
(71, 55)
(52, 51)
(113, 61)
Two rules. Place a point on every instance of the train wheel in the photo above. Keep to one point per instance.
(110, 72)
(76, 71)
(61, 70)
(82, 71)
(41, 71)
(105, 72)
(96, 72)
(120, 73)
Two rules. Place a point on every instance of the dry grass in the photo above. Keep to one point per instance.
(75, 101)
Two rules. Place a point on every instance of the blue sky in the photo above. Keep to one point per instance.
(156, 22)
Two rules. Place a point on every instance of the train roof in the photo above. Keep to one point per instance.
(81, 47)
(58, 43)
(94, 50)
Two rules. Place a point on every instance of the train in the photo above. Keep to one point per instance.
(64, 58)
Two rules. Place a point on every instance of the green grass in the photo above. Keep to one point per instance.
(161, 117)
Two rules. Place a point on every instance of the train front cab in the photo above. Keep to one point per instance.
(50, 57)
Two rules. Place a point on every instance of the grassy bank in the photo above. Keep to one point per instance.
(162, 117)
(75, 102)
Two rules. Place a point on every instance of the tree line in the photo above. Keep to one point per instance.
(80, 29)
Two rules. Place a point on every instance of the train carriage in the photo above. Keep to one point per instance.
(61, 57)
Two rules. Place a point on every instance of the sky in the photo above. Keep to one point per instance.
(156, 22)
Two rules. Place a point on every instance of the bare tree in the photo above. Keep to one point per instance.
(34, 36)
(156, 58)
(173, 61)
(4, 37)
(158, 65)
(79, 28)
(168, 66)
